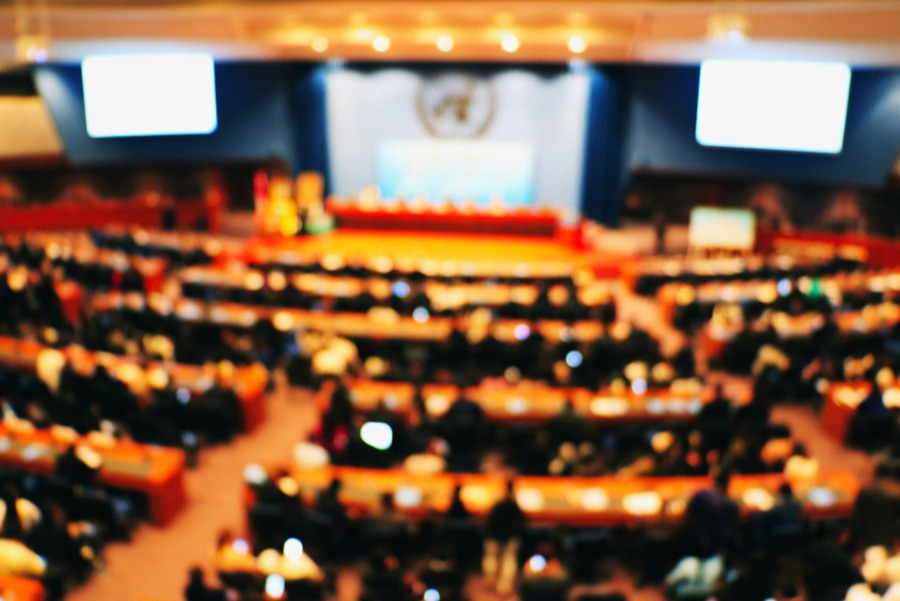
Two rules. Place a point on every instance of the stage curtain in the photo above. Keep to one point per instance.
(605, 177)
(310, 122)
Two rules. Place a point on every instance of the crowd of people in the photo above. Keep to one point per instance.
(715, 551)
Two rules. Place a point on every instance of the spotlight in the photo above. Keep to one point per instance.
(381, 43)
(510, 43)
(577, 45)
(444, 43)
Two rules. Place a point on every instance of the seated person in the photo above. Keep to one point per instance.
(198, 590)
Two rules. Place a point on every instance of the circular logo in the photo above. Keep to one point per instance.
(455, 105)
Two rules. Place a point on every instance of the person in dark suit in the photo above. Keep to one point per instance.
(198, 590)
(463, 426)
(784, 519)
(710, 519)
(504, 528)
(876, 512)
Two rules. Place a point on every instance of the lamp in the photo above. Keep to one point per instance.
(727, 26)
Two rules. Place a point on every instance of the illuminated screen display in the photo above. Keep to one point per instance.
(149, 95)
(479, 170)
(773, 105)
(712, 227)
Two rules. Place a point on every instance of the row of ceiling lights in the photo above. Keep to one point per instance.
(444, 43)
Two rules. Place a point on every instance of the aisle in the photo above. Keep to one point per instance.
(154, 564)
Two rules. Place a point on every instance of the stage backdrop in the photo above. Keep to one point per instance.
(527, 126)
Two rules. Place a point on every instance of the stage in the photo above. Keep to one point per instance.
(558, 255)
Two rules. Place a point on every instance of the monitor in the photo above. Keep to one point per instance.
(773, 105)
(149, 95)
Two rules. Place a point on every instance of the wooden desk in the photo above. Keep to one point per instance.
(157, 472)
(251, 380)
(841, 401)
(350, 325)
(868, 320)
(531, 403)
(21, 589)
(764, 291)
(449, 296)
(564, 501)
(283, 254)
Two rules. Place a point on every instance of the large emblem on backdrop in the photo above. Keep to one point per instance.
(455, 105)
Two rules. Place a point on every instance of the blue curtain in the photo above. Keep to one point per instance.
(310, 122)
(605, 178)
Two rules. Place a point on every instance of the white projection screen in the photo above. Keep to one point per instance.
(149, 95)
(773, 105)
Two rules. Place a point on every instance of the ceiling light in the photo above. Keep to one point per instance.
(577, 45)
(381, 43)
(319, 44)
(731, 27)
(444, 43)
(509, 43)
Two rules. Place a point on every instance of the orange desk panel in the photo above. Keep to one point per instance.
(157, 472)
(251, 380)
(529, 403)
(21, 589)
(564, 501)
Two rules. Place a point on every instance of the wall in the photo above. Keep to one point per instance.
(545, 110)
(664, 108)
(619, 119)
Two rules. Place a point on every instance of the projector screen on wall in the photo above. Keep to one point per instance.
(773, 105)
(149, 95)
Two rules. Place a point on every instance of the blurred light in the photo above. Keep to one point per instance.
(255, 474)
(319, 44)
(408, 496)
(241, 546)
(577, 45)
(377, 435)
(275, 586)
(420, 314)
(293, 549)
(537, 563)
(574, 359)
(431, 595)
(400, 289)
(444, 43)
(283, 321)
(567, 334)
(729, 27)
(521, 331)
(381, 43)
(184, 395)
(735, 36)
(509, 43)
(639, 386)
(784, 287)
